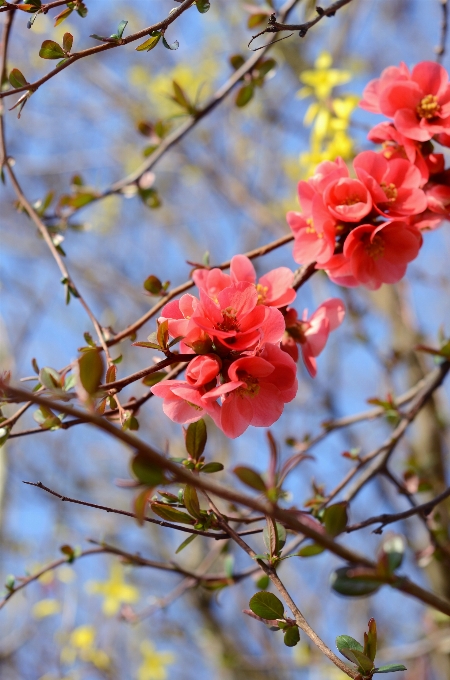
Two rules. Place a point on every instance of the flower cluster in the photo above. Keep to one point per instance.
(235, 329)
(364, 229)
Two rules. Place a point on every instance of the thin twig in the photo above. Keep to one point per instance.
(385, 519)
(440, 51)
(276, 26)
(159, 522)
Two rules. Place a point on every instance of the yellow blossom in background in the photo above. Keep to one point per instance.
(329, 117)
(322, 79)
(115, 591)
(46, 607)
(81, 645)
(154, 663)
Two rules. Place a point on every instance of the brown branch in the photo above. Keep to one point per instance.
(272, 574)
(159, 26)
(381, 454)
(289, 518)
(276, 27)
(159, 522)
(385, 519)
(440, 51)
(43, 10)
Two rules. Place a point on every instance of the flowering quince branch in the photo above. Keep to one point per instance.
(297, 522)
(275, 26)
(383, 520)
(272, 574)
(72, 58)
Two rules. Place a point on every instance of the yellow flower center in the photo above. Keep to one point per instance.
(428, 107)
(250, 389)
(262, 293)
(390, 190)
(229, 322)
(310, 229)
(375, 248)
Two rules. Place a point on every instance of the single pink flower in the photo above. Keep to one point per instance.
(274, 288)
(212, 281)
(339, 270)
(315, 235)
(203, 369)
(371, 96)
(393, 185)
(380, 254)
(419, 103)
(395, 145)
(257, 390)
(236, 320)
(347, 199)
(312, 334)
(179, 314)
(183, 402)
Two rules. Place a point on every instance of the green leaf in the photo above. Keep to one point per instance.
(211, 467)
(140, 504)
(256, 20)
(347, 642)
(291, 636)
(149, 345)
(149, 44)
(236, 61)
(171, 514)
(17, 79)
(121, 28)
(244, 95)
(145, 471)
(191, 501)
(391, 553)
(196, 436)
(153, 285)
(203, 6)
(67, 42)
(310, 550)
(90, 365)
(47, 419)
(62, 16)
(51, 50)
(365, 665)
(390, 668)
(274, 544)
(185, 543)
(50, 378)
(352, 587)
(267, 606)
(154, 378)
(174, 46)
(250, 477)
(335, 518)
(180, 96)
(370, 640)
(263, 582)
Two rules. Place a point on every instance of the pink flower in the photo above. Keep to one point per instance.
(203, 369)
(380, 254)
(339, 270)
(274, 288)
(418, 102)
(393, 185)
(183, 402)
(347, 199)
(312, 334)
(314, 235)
(236, 321)
(179, 313)
(396, 145)
(257, 390)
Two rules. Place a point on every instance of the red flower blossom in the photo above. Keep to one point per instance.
(393, 185)
(380, 254)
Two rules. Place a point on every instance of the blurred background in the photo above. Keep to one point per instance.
(224, 189)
